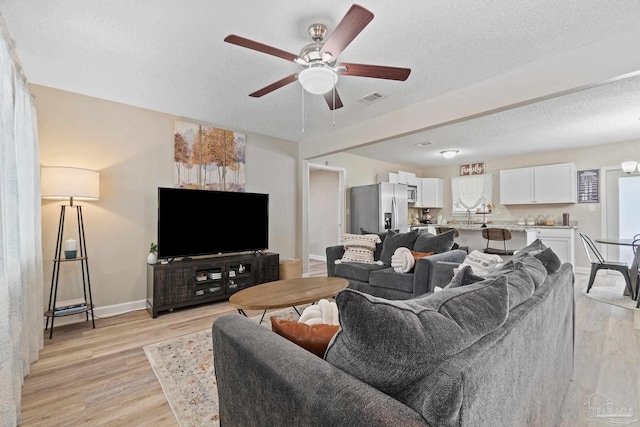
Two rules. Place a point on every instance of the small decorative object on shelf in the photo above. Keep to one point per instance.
(152, 258)
(70, 249)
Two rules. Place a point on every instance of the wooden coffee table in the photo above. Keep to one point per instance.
(286, 293)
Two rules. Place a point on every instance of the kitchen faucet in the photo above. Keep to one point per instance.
(468, 217)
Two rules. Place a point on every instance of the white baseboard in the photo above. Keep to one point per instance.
(101, 312)
(582, 270)
(318, 257)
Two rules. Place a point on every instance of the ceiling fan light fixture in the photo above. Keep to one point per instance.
(449, 154)
(318, 80)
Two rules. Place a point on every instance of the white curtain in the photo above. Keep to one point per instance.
(469, 192)
(21, 289)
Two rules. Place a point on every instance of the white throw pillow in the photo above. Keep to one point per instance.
(481, 264)
(325, 312)
(359, 248)
(402, 260)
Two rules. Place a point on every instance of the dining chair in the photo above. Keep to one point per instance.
(441, 230)
(497, 235)
(601, 264)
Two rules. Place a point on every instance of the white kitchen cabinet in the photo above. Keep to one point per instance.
(390, 177)
(430, 193)
(539, 184)
(406, 177)
(561, 241)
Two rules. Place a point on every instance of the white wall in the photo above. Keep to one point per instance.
(132, 148)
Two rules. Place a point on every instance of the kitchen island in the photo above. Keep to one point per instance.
(561, 239)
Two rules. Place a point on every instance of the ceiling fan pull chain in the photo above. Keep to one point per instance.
(302, 109)
(333, 110)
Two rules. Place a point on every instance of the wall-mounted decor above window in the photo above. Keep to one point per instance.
(208, 158)
(472, 169)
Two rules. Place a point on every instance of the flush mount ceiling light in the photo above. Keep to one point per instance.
(449, 154)
(629, 167)
(318, 80)
(423, 144)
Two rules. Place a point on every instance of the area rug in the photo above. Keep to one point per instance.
(610, 290)
(184, 368)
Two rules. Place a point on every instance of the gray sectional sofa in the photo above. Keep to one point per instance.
(482, 352)
(382, 281)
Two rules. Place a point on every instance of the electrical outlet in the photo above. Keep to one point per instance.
(592, 208)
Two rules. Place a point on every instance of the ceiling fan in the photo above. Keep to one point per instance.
(320, 73)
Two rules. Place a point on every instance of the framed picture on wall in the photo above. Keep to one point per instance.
(589, 186)
(208, 158)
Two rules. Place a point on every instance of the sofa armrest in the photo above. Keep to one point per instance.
(427, 274)
(333, 253)
(266, 380)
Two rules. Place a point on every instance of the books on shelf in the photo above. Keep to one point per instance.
(70, 303)
(76, 305)
(69, 310)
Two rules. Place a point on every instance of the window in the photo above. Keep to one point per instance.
(471, 192)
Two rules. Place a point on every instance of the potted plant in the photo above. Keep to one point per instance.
(153, 254)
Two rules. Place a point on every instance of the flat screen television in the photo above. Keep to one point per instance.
(203, 222)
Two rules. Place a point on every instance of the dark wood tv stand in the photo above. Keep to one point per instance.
(202, 280)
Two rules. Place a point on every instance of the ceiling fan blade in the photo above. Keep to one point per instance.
(329, 98)
(273, 86)
(353, 22)
(260, 47)
(375, 71)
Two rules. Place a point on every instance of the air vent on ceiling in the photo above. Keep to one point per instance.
(371, 98)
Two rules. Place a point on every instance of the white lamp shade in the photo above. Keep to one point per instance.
(449, 154)
(64, 182)
(628, 167)
(318, 80)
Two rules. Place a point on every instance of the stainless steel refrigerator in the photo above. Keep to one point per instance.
(379, 207)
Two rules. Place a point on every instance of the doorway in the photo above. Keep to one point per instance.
(620, 216)
(326, 209)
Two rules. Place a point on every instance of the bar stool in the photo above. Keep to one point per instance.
(441, 230)
(498, 235)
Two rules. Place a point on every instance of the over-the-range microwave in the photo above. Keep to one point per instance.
(412, 193)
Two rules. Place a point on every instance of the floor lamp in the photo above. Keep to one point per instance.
(66, 183)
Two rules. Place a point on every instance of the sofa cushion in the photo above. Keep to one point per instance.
(534, 267)
(428, 242)
(393, 345)
(549, 259)
(388, 278)
(313, 338)
(519, 282)
(464, 277)
(395, 240)
(356, 271)
(359, 248)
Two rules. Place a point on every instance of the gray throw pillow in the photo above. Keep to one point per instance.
(392, 345)
(394, 241)
(543, 253)
(428, 242)
(464, 277)
(519, 282)
(534, 267)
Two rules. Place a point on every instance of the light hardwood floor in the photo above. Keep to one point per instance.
(99, 377)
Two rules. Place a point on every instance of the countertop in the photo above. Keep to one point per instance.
(511, 227)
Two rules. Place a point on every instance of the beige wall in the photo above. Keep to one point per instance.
(132, 148)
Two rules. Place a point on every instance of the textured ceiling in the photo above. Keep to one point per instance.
(170, 56)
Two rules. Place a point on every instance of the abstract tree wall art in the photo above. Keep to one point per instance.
(208, 158)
